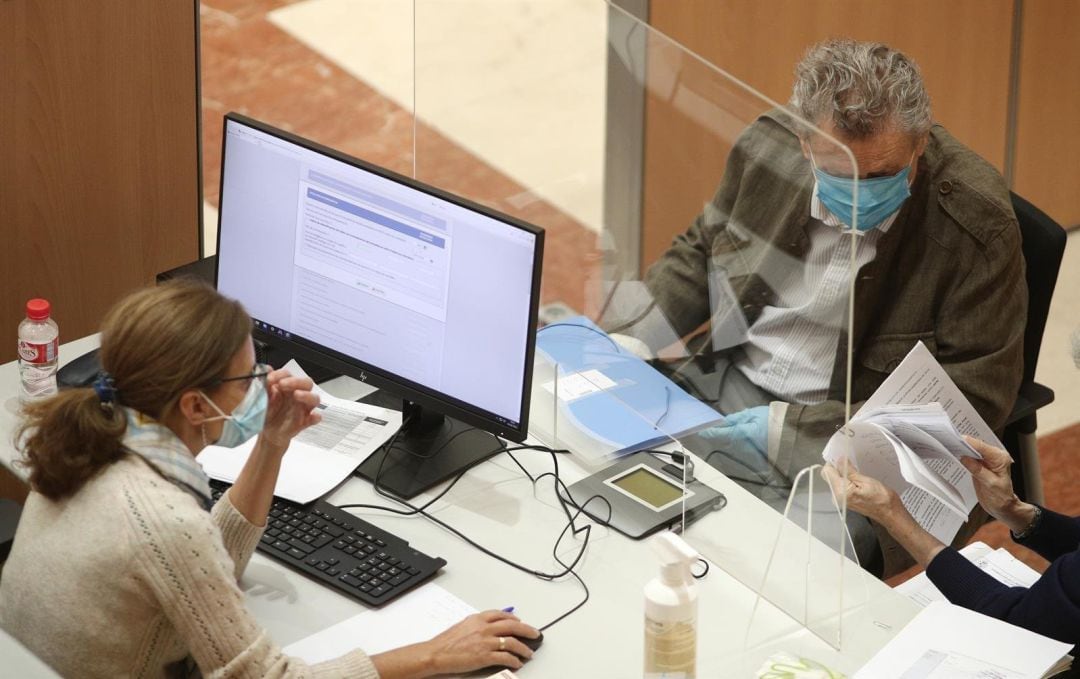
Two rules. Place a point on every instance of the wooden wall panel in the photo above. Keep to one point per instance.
(1047, 169)
(98, 135)
(962, 47)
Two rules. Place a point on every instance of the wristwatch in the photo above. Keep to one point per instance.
(1031, 527)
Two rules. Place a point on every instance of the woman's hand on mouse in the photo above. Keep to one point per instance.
(480, 640)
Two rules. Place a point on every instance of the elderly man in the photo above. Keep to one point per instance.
(937, 260)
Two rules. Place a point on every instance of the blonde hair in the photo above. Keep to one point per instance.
(155, 344)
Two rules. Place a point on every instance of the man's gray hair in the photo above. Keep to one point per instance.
(862, 87)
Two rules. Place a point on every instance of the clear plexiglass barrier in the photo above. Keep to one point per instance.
(696, 298)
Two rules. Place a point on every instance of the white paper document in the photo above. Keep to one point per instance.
(417, 616)
(920, 379)
(908, 436)
(949, 642)
(916, 451)
(320, 457)
(575, 385)
(1004, 567)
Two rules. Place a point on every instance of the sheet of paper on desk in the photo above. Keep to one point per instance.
(320, 457)
(998, 563)
(417, 616)
(947, 641)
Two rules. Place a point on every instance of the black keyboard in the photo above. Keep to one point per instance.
(341, 551)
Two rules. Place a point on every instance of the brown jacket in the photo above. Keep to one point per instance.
(948, 272)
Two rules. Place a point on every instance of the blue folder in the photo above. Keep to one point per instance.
(644, 408)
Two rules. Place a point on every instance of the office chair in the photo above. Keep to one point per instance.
(1043, 247)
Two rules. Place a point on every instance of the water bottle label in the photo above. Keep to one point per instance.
(32, 352)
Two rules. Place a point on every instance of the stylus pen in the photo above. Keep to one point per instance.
(508, 609)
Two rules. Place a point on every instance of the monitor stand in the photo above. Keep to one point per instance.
(433, 448)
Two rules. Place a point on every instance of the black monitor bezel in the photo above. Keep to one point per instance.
(347, 365)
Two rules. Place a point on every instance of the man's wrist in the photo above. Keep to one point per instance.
(1017, 515)
(895, 517)
(1025, 530)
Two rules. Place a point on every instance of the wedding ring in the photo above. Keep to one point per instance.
(502, 643)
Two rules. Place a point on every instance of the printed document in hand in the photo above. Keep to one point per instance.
(320, 457)
(949, 642)
(908, 436)
(1004, 567)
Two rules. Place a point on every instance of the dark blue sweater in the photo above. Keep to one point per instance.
(1050, 607)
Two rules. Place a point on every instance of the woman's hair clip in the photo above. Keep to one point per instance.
(105, 387)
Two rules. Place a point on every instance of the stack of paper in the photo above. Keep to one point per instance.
(998, 563)
(948, 642)
(908, 436)
(915, 450)
(320, 457)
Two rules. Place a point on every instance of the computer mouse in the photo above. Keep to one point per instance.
(533, 644)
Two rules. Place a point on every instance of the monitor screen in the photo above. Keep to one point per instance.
(379, 276)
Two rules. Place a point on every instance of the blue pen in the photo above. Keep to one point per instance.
(508, 609)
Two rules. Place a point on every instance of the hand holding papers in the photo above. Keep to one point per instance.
(320, 457)
(908, 437)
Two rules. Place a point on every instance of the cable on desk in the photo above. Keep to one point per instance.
(568, 569)
(762, 479)
(580, 326)
(679, 458)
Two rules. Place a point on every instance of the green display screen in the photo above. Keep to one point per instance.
(648, 487)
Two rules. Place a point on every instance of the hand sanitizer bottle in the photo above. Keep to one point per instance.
(671, 612)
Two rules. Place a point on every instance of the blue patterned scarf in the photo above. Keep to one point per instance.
(165, 452)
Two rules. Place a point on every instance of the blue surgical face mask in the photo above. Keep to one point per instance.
(246, 420)
(878, 197)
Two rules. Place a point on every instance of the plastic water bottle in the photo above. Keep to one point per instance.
(38, 342)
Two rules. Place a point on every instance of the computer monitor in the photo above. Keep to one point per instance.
(377, 276)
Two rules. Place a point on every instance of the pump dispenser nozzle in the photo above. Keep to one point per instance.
(676, 557)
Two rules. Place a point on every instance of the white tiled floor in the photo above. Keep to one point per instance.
(209, 229)
(1056, 367)
(517, 82)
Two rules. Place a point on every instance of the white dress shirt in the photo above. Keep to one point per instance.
(791, 347)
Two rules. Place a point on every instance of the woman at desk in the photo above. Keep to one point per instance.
(121, 566)
(1050, 607)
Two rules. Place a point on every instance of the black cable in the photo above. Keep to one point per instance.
(702, 560)
(636, 319)
(583, 327)
(571, 527)
(762, 479)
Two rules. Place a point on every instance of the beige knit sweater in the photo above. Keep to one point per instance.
(130, 575)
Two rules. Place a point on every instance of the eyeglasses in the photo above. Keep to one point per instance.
(258, 371)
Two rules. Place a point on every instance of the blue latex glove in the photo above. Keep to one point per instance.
(743, 433)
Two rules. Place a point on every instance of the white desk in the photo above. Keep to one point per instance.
(498, 507)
